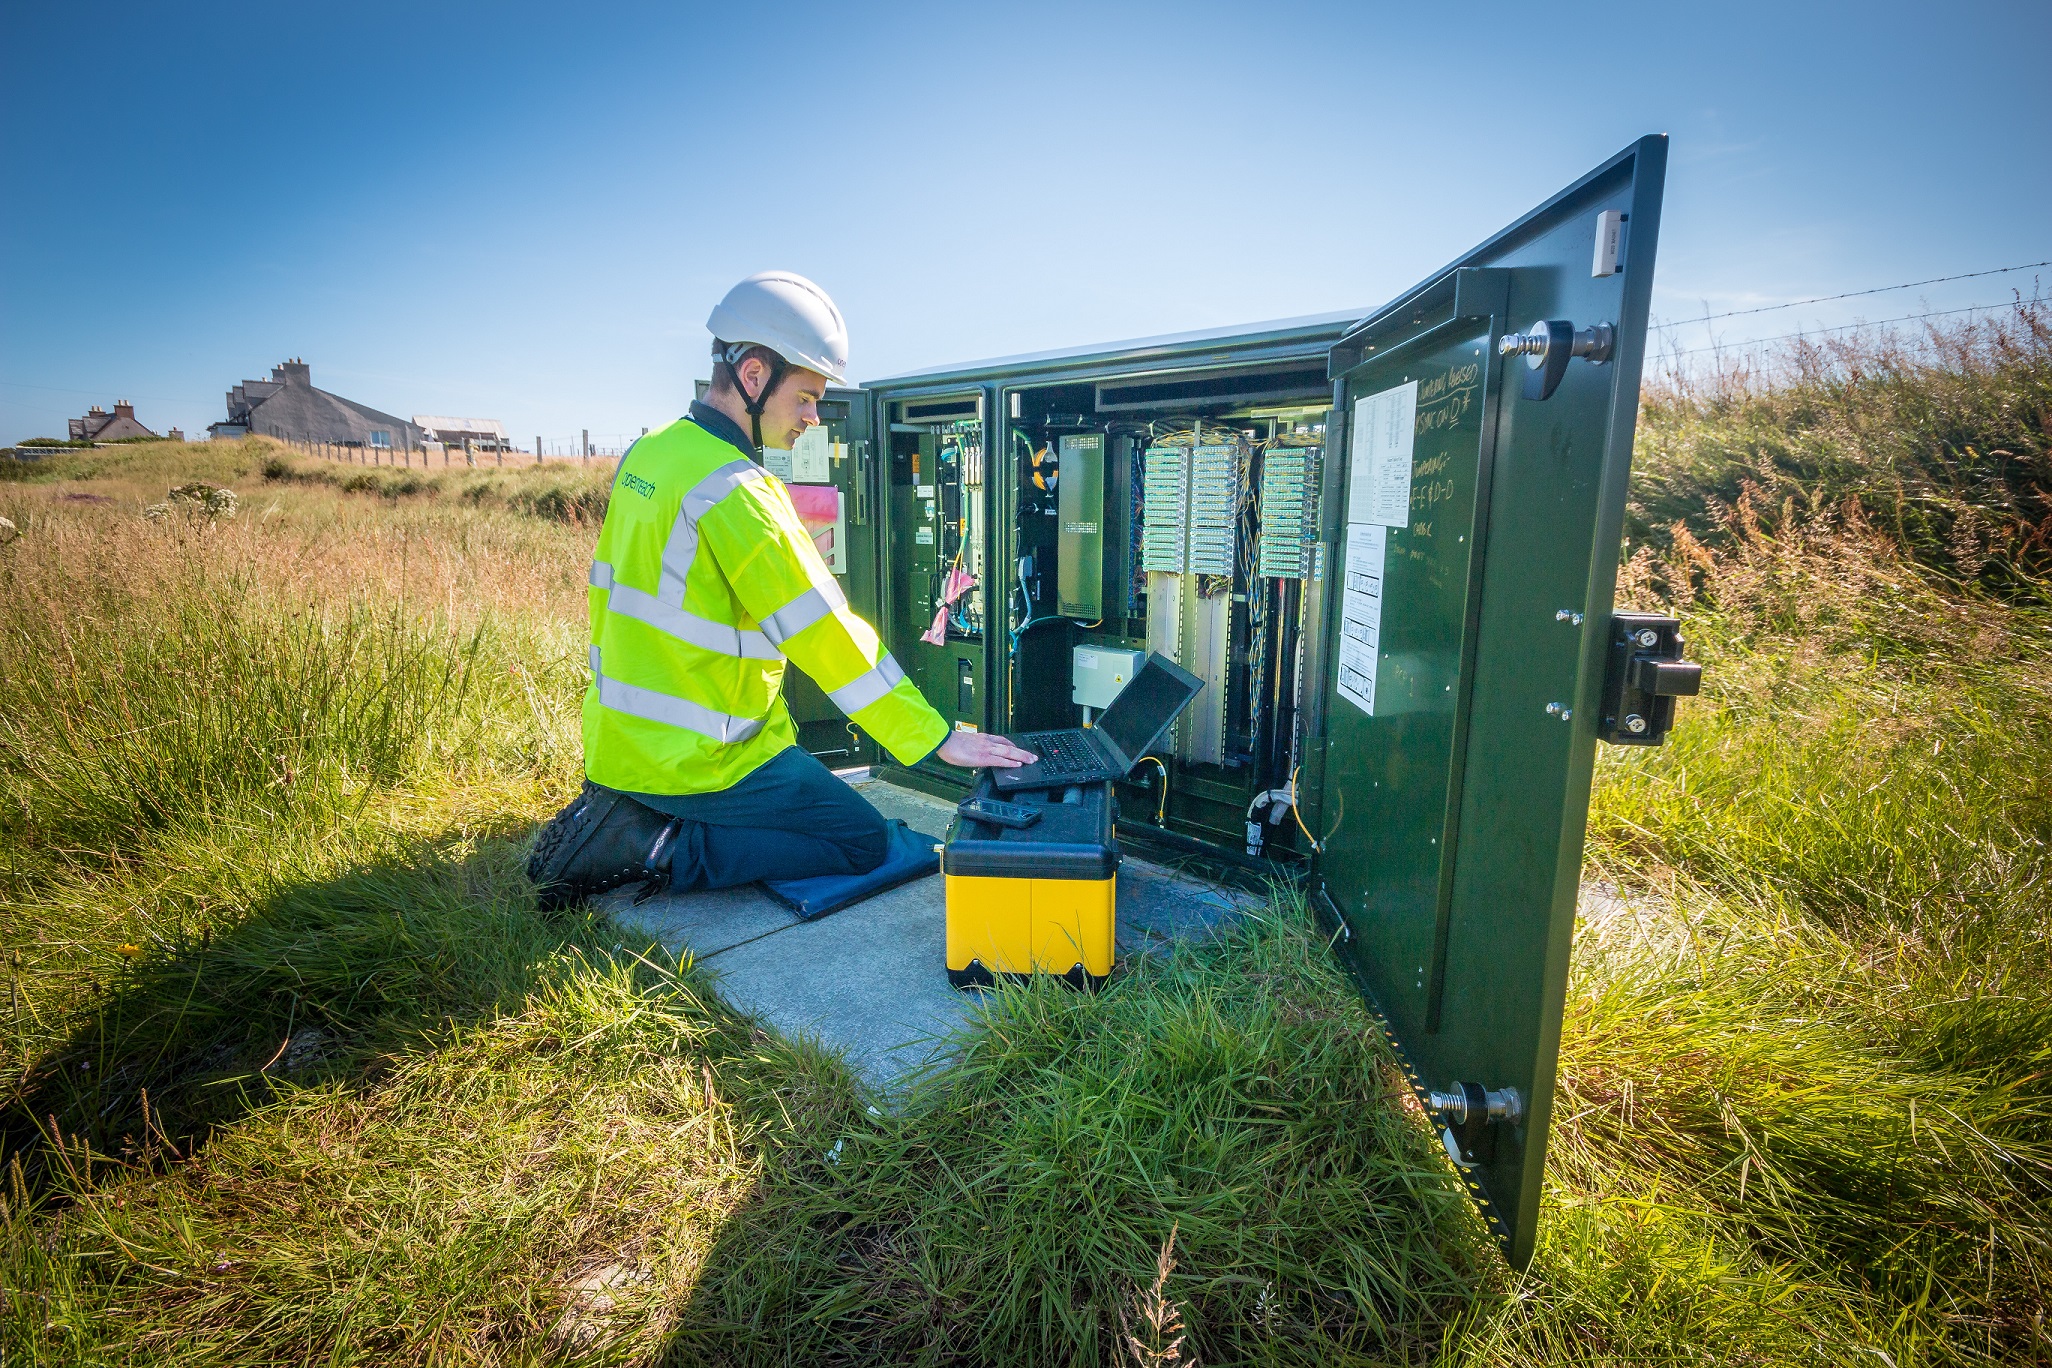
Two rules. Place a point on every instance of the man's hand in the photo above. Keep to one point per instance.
(981, 750)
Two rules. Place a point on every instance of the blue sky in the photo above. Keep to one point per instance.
(526, 211)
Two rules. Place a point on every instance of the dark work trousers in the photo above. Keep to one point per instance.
(790, 819)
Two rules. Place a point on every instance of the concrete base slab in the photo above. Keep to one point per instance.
(704, 923)
(871, 981)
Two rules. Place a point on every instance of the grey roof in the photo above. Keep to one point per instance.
(98, 425)
(288, 405)
(1277, 329)
(460, 427)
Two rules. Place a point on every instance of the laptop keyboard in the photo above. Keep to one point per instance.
(1061, 752)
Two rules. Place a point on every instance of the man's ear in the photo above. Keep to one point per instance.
(755, 376)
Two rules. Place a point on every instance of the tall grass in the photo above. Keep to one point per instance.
(123, 728)
(1941, 439)
(1832, 1034)
(1013, 1209)
(202, 720)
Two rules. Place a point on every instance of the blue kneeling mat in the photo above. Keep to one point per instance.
(912, 856)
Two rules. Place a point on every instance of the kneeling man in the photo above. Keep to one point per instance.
(703, 584)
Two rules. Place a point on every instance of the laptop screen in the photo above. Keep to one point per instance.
(1145, 707)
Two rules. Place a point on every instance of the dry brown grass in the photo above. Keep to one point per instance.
(86, 539)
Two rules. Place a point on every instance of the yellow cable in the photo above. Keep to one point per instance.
(1297, 814)
(1161, 808)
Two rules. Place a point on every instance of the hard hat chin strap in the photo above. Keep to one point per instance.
(754, 405)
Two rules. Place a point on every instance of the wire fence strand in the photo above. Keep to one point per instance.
(1846, 327)
(1854, 294)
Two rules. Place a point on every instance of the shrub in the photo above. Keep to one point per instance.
(561, 503)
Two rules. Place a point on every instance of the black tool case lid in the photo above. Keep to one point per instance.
(1072, 840)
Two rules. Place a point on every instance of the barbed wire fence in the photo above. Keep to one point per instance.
(1665, 342)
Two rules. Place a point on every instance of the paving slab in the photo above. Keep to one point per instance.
(871, 980)
(705, 923)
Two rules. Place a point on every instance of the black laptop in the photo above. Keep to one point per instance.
(1127, 730)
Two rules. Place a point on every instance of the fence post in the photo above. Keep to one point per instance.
(585, 437)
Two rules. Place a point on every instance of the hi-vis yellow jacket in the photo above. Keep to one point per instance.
(703, 582)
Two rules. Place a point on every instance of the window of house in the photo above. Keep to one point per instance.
(381, 439)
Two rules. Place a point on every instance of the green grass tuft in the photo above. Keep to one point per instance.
(1016, 1204)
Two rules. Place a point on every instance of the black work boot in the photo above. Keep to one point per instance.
(601, 841)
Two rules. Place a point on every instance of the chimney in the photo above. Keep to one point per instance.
(124, 409)
(294, 372)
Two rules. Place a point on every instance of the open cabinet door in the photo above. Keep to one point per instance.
(1473, 517)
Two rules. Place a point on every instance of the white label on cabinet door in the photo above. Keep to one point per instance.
(810, 456)
(1360, 640)
(1385, 426)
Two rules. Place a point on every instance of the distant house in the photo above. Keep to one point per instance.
(287, 405)
(483, 434)
(101, 426)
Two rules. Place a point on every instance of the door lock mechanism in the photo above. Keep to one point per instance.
(1471, 1113)
(1644, 676)
(1549, 345)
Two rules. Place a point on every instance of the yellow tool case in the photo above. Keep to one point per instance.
(1038, 898)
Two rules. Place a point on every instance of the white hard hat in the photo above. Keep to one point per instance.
(790, 315)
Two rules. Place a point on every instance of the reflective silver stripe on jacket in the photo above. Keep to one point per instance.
(670, 620)
(866, 688)
(682, 547)
(809, 607)
(652, 706)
